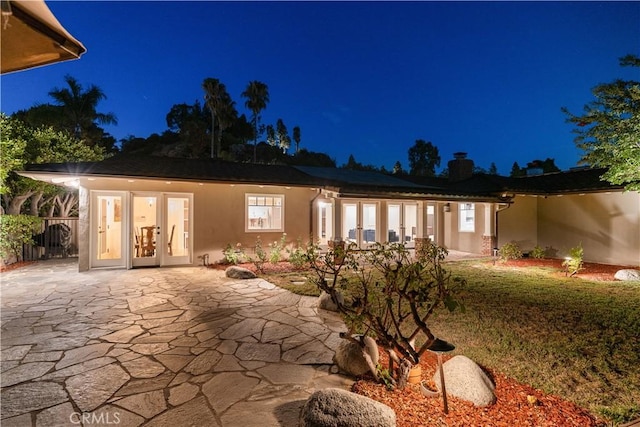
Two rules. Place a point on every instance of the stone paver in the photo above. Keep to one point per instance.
(158, 347)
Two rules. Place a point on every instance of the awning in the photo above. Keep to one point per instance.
(32, 36)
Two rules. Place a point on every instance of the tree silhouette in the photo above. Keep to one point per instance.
(257, 95)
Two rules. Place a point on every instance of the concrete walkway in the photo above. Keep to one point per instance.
(158, 347)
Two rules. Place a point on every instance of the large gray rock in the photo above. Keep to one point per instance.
(466, 380)
(332, 407)
(326, 303)
(350, 356)
(627, 275)
(235, 272)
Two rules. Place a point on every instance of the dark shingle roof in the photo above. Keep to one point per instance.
(581, 180)
(347, 182)
(183, 169)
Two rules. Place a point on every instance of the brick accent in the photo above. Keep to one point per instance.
(488, 243)
(421, 243)
(338, 247)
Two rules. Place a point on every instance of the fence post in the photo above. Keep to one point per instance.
(47, 238)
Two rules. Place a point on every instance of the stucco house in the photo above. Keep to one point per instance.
(155, 211)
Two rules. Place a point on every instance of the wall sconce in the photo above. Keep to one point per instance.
(447, 207)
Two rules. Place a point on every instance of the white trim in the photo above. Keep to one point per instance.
(264, 230)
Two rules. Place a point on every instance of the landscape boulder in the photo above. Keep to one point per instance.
(235, 272)
(350, 356)
(326, 303)
(627, 275)
(466, 380)
(332, 407)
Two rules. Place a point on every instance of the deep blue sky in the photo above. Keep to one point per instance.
(359, 78)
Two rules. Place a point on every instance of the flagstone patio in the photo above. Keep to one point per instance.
(158, 347)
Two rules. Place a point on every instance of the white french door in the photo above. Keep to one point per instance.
(141, 229)
(177, 213)
(146, 224)
(161, 226)
(359, 222)
(108, 230)
(402, 221)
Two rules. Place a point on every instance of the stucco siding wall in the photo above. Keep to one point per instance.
(607, 226)
(219, 212)
(463, 241)
(519, 223)
(220, 218)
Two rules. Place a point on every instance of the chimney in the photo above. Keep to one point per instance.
(460, 168)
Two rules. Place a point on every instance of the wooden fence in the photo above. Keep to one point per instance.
(58, 238)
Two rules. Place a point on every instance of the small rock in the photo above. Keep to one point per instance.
(466, 380)
(627, 275)
(350, 356)
(337, 407)
(239, 273)
(326, 303)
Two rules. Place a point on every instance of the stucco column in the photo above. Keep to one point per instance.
(337, 220)
(489, 234)
(84, 229)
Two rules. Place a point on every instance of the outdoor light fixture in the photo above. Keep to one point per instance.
(447, 207)
(440, 346)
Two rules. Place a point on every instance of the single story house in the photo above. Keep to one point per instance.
(158, 211)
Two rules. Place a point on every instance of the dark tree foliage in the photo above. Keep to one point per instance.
(310, 158)
(608, 131)
(75, 110)
(516, 170)
(424, 157)
(493, 169)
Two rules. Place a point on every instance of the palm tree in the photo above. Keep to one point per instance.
(227, 116)
(79, 108)
(257, 95)
(296, 137)
(218, 101)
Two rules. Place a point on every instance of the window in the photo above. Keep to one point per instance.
(265, 212)
(467, 217)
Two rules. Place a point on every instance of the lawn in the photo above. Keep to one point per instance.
(575, 338)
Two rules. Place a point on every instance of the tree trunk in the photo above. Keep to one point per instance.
(35, 203)
(52, 207)
(15, 205)
(66, 204)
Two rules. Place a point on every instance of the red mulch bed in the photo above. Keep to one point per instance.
(269, 268)
(15, 265)
(591, 271)
(512, 407)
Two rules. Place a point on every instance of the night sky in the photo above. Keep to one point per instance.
(359, 78)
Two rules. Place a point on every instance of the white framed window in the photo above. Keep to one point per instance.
(467, 218)
(264, 212)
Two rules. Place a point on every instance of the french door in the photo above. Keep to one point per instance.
(140, 229)
(402, 219)
(146, 227)
(161, 224)
(108, 219)
(359, 222)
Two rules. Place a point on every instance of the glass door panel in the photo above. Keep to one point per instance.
(393, 218)
(145, 225)
(325, 222)
(177, 249)
(410, 224)
(350, 222)
(431, 220)
(107, 230)
(369, 222)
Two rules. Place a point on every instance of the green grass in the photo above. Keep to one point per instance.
(575, 338)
